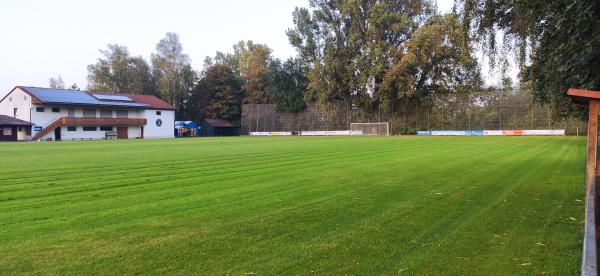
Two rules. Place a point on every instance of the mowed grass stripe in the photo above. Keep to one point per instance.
(210, 173)
(429, 244)
(356, 210)
(78, 172)
(157, 171)
(230, 172)
(128, 200)
(139, 191)
(143, 193)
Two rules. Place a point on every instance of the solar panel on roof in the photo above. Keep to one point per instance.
(112, 98)
(76, 97)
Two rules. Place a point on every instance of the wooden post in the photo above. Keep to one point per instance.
(592, 146)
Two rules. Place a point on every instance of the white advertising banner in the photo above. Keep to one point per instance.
(270, 133)
(338, 132)
(492, 133)
(448, 133)
(542, 132)
(326, 133)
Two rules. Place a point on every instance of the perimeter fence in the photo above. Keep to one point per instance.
(493, 110)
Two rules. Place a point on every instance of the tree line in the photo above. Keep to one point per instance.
(250, 74)
(392, 56)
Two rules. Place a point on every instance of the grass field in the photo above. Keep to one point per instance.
(362, 205)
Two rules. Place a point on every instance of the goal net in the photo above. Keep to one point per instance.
(381, 128)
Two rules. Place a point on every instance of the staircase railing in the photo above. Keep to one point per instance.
(58, 122)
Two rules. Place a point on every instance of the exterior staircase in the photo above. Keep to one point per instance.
(88, 121)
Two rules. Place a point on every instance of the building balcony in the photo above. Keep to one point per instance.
(92, 121)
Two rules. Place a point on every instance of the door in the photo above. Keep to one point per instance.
(122, 133)
(57, 134)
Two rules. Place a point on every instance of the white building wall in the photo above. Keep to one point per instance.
(133, 132)
(20, 100)
(22, 134)
(26, 111)
(166, 130)
(78, 134)
(43, 119)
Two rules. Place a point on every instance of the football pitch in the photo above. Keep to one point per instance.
(294, 205)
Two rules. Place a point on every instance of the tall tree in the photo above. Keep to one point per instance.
(218, 94)
(56, 82)
(288, 83)
(350, 45)
(556, 43)
(140, 77)
(119, 72)
(170, 68)
(436, 61)
(250, 63)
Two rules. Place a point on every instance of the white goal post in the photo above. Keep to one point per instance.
(380, 128)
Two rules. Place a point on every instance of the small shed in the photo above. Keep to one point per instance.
(186, 129)
(13, 129)
(218, 127)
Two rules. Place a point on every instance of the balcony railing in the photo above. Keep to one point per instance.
(92, 121)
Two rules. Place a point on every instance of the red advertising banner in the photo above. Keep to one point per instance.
(512, 132)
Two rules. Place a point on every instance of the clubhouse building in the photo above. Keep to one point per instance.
(33, 113)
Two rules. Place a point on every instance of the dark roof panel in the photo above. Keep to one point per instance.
(11, 121)
(74, 97)
(105, 97)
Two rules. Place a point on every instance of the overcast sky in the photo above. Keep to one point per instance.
(45, 38)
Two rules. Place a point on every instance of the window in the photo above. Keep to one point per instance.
(71, 128)
(10, 99)
(15, 112)
(71, 112)
(19, 129)
(90, 128)
(28, 131)
(105, 113)
(106, 128)
(55, 109)
(158, 113)
(39, 109)
(122, 114)
(89, 113)
(7, 131)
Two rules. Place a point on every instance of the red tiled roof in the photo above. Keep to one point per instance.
(150, 100)
(218, 123)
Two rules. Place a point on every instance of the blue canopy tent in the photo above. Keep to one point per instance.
(186, 129)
